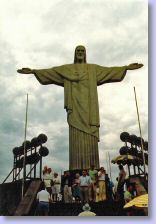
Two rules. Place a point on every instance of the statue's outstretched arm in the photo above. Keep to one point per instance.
(44, 76)
(26, 71)
(134, 66)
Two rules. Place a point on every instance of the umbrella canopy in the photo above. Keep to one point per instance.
(140, 201)
(123, 157)
(126, 159)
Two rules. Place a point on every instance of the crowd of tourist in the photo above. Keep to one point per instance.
(88, 186)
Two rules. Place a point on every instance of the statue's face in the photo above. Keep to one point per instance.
(80, 53)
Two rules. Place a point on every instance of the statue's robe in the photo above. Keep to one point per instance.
(80, 83)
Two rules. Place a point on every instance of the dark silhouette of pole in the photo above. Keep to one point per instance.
(142, 147)
(24, 158)
(110, 172)
(107, 162)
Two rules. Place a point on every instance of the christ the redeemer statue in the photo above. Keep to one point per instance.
(80, 81)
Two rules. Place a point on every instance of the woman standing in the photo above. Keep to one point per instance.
(102, 184)
(76, 187)
(48, 178)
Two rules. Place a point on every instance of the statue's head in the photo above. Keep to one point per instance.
(80, 54)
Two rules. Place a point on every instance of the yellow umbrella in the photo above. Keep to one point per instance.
(123, 157)
(140, 201)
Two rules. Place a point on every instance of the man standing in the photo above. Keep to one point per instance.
(92, 190)
(85, 182)
(66, 187)
(128, 197)
(80, 81)
(121, 182)
(128, 194)
(56, 187)
(43, 197)
(115, 189)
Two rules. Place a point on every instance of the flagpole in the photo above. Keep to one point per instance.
(142, 147)
(107, 162)
(110, 166)
(24, 158)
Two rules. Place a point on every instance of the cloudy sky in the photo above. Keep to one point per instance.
(42, 34)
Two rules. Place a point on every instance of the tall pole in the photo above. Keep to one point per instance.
(107, 162)
(24, 158)
(142, 147)
(110, 172)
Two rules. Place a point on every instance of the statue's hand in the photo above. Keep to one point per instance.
(25, 71)
(134, 66)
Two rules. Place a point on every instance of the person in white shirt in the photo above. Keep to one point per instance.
(43, 197)
(56, 187)
(48, 178)
(121, 182)
(87, 211)
(85, 182)
(115, 189)
(102, 184)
